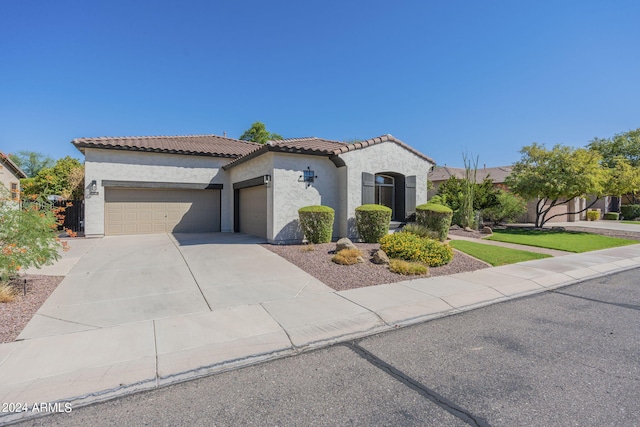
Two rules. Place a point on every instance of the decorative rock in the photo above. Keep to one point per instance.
(380, 257)
(558, 228)
(468, 229)
(454, 227)
(360, 259)
(344, 243)
(486, 230)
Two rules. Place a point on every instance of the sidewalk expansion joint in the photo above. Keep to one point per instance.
(366, 308)
(69, 321)
(293, 346)
(190, 272)
(441, 401)
(155, 350)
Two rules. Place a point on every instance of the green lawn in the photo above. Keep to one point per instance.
(495, 255)
(631, 222)
(560, 240)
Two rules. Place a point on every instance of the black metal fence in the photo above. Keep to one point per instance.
(73, 214)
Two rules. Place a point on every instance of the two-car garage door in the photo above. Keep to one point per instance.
(146, 211)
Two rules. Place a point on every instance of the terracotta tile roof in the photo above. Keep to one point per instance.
(14, 168)
(201, 145)
(324, 147)
(497, 174)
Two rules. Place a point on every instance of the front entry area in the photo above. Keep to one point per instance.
(151, 211)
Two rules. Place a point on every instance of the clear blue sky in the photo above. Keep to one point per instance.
(486, 77)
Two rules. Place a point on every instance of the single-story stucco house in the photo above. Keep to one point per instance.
(206, 183)
(10, 175)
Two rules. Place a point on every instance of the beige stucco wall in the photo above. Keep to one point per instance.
(125, 165)
(7, 177)
(290, 193)
(384, 157)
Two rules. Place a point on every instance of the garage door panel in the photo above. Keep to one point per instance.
(253, 211)
(146, 211)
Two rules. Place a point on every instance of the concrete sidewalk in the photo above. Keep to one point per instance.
(100, 360)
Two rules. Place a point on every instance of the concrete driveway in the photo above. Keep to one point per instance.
(125, 279)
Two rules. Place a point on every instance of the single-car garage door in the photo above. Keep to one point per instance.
(253, 211)
(146, 211)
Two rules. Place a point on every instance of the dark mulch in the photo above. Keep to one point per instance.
(317, 263)
(15, 315)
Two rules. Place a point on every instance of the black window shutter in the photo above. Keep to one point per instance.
(368, 188)
(410, 195)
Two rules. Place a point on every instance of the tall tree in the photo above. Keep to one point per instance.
(625, 145)
(65, 178)
(31, 162)
(258, 133)
(557, 176)
(621, 154)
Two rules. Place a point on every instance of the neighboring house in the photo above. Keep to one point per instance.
(499, 175)
(441, 174)
(10, 175)
(204, 183)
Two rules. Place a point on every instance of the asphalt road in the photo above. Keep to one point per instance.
(564, 358)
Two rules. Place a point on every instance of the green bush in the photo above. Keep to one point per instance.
(420, 230)
(611, 216)
(509, 207)
(372, 222)
(409, 247)
(435, 217)
(317, 223)
(593, 215)
(630, 211)
(407, 268)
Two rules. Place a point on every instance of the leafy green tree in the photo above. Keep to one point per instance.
(258, 133)
(555, 177)
(621, 154)
(452, 194)
(31, 162)
(625, 145)
(27, 236)
(509, 207)
(65, 178)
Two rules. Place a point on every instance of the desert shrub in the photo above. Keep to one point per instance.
(409, 247)
(317, 223)
(611, 216)
(372, 222)
(7, 293)
(27, 236)
(593, 215)
(435, 217)
(420, 230)
(630, 211)
(508, 208)
(347, 256)
(407, 268)
(439, 199)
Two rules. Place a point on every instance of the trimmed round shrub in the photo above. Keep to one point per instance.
(593, 215)
(372, 222)
(611, 216)
(435, 217)
(630, 211)
(411, 247)
(317, 223)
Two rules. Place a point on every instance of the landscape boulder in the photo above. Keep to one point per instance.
(380, 257)
(344, 243)
(486, 230)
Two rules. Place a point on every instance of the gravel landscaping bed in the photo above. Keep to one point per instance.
(317, 262)
(15, 315)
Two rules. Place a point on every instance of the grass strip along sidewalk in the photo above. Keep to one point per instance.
(495, 255)
(568, 241)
